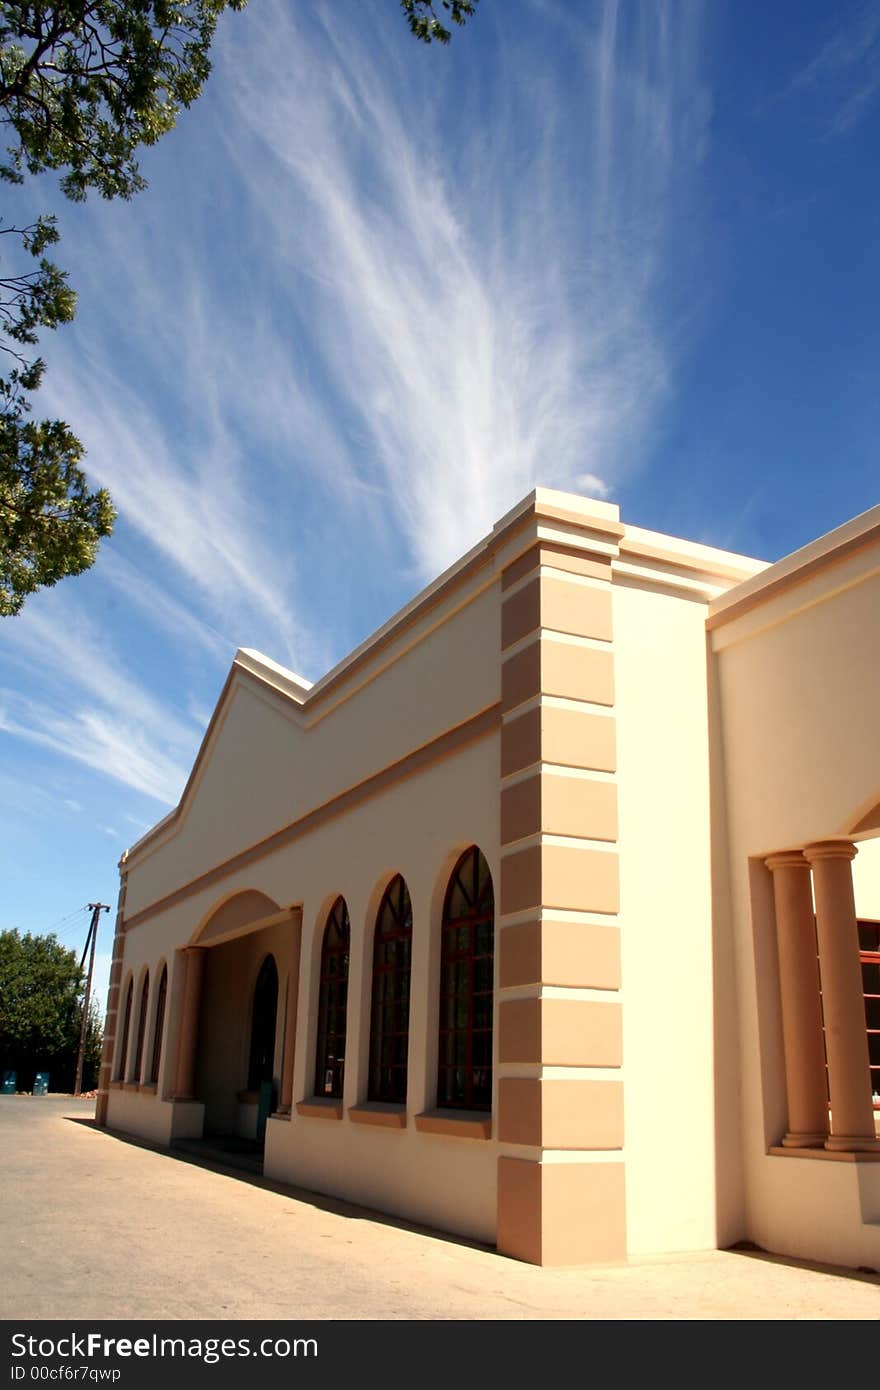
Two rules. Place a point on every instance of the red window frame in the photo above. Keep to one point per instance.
(869, 960)
(333, 1003)
(142, 1027)
(389, 1008)
(464, 1068)
(160, 1024)
(126, 1025)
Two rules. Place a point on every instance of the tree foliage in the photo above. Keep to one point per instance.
(84, 84)
(50, 524)
(41, 998)
(424, 23)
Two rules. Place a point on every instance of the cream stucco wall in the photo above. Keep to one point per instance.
(799, 689)
(264, 769)
(866, 879)
(267, 764)
(666, 919)
(418, 828)
(758, 738)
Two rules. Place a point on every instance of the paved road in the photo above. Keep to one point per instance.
(96, 1227)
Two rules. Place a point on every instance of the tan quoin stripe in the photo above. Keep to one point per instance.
(560, 1032)
(560, 876)
(559, 805)
(558, 604)
(558, 1114)
(548, 667)
(559, 953)
(561, 1213)
(566, 737)
(558, 557)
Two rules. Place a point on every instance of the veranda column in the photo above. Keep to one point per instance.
(805, 1087)
(561, 1182)
(286, 1099)
(846, 1039)
(185, 1082)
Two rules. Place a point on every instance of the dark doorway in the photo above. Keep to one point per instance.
(265, 1010)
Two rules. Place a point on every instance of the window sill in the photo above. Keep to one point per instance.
(827, 1155)
(130, 1086)
(320, 1108)
(374, 1112)
(461, 1124)
(149, 1088)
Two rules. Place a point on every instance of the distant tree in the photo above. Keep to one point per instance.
(41, 996)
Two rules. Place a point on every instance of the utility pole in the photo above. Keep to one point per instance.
(96, 910)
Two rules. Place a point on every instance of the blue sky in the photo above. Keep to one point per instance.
(376, 292)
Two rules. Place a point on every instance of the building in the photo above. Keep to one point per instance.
(535, 918)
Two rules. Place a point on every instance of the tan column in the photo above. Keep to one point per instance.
(805, 1086)
(561, 1180)
(846, 1039)
(286, 1100)
(185, 1081)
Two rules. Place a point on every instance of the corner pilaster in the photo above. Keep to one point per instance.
(561, 1193)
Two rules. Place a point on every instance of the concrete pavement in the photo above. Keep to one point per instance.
(94, 1226)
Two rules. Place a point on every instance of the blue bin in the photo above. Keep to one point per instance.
(41, 1083)
(265, 1106)
(9, 1080)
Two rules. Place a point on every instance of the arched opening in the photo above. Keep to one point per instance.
(389, 1012)
(464, 1073)
(159, 1028)
(245, 948)
(333, 1003)
(142, 1027)
(126, 1025)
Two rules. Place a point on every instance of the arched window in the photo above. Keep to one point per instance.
(263, 1016)
(126, 1024)
(160, 1024)
(142, 1027)
(464, 1075)
(389, 1014)
(332, 1003)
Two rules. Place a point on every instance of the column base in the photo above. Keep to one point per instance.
(804, 1141)
(851, 1143)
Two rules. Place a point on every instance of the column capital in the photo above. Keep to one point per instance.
(830, 849)
(787, 859)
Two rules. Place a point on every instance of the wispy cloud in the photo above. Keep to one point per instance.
(90, 710)
(188, 503)
(478, 332)
(845, 71)
(424, 314)
(158, 604)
